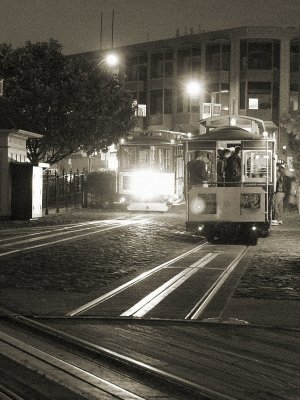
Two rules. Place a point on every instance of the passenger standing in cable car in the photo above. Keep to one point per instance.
(233, 168)
(223, 155)
(279, 195)
(197, 169)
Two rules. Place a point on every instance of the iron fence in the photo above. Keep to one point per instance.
(65, 190)
(78, 189)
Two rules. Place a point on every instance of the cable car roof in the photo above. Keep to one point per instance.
(230, 133)
(154, 136)
(151, 141)
(242, 121)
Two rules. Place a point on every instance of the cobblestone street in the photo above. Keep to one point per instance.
(64, 273)
(86, 264)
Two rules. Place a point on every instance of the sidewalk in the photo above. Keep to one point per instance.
(269, 290)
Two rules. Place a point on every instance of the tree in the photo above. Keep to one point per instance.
(74, 104)
(291, 122)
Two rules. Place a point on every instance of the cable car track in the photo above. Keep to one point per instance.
(72, 232)
(199, 308)
(130, 283)
(82, 380)
(197, 275)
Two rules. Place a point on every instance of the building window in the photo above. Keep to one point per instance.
(243, 55)
(168, 55)
(225, 57)
(189, 60)
(142, 97)
(213, 58)
(132, 68)
(242, 95)
(260, 93)
(168, 68)
(180, 104)
(294, 96)
(275, 100)
(259, 55)
(276, 55)
(168, 101)
(157, 65)
(143, 59)
(183, 61)
(136, 68)
(295, 57)
(142, 72)
(156, 97)
(196, 59)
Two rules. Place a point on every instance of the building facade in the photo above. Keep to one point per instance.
(253, 71)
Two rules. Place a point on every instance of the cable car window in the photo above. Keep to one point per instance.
(257, 164)
(128, 157)
(201, 167)
(146, 157)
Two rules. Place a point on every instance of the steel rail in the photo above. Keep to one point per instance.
(56, 228)
(114, 292)
(7, 394)
(145, 305)
(53, 232)
(52, 367)
(199, 308)
(126, 222)
(161, 377)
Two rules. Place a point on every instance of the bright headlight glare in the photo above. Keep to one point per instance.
(148, 184)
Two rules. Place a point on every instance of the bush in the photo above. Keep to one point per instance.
(100, 188)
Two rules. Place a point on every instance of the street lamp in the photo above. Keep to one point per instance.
(111, 60)
(194, 89)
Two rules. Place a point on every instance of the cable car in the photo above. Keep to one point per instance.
(151, 170)
(219, 207)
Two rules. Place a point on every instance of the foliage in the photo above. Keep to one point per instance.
(100, 189)
(101, 182)
(291, 122)
(73, 103)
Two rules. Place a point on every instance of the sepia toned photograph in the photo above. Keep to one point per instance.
(149, 200)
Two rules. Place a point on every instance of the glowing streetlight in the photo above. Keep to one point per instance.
(111, 59)
(193, 88)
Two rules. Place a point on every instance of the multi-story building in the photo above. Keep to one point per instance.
(253, 71)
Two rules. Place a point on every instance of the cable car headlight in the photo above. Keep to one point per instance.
(149, 184)
(197, 205)
(254, 228)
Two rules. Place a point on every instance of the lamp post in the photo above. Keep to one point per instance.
(111, 59)
(212, 95)
(194, 89)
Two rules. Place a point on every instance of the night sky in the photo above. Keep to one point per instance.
(76, 23)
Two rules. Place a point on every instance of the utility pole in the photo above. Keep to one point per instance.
(101, 25)
(112, 28)
(212, 95)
